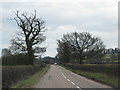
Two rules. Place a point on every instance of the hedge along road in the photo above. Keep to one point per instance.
(59, 77)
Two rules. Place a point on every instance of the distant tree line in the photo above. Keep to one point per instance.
(114, 54)
(112, 51)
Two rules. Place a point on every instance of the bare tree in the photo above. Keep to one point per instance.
(30, 36)
(83, 44)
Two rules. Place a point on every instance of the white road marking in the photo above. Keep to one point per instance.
(62, 74)
(71, 82)
(77, 87)
(68, 79)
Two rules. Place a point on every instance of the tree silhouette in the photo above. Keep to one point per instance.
(83, 45)
(30, 36)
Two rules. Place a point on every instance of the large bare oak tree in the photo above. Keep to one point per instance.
(81, 45)
(30, 36)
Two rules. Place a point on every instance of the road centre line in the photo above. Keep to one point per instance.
(71, 82)
(78, 87)
(68, 79)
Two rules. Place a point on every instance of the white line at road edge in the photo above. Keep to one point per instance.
(71, 82)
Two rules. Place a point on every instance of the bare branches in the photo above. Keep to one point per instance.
(31, 26)
(80, 44)
(32, 31)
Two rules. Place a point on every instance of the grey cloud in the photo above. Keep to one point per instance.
(97, 18)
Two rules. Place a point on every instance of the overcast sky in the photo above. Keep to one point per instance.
(99, 17)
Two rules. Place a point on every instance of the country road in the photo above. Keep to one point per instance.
(59, 77)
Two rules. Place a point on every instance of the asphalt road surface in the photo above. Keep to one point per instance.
(59, 77)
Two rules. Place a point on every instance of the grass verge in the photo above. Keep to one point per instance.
(99, 77)
(32, 80)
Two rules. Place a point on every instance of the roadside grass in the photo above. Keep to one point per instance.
(99, 77)
(32, 80)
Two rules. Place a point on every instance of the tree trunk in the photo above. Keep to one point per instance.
(81, 59)
(31, 55)
(80, 62)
